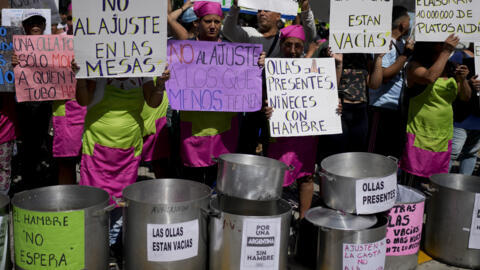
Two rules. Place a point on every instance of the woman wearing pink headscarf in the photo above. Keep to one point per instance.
(206, 135)
(298, 152)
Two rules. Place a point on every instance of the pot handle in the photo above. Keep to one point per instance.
(210, 213)
(393, 158)
(430, 190)
(119, 202)
(105, 210)
(327, 176)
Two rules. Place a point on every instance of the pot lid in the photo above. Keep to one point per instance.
(333, 219)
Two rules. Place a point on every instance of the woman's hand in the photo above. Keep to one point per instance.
(339, 108)
(14, 60)
(261, 59)
(475, 82)
(461, 73)
(451, 43)
(75, 67)
(267, 110)
(161, 80)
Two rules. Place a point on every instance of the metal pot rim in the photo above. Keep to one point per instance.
(280, 201)
(435, 181)
(424, 198)
(17, 204)
(280, 165)
(322, 166)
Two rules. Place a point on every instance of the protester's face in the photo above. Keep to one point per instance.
(70, 23)
(405, 25)
(292, 47)
(267, 20)
(34, 26)
(209, 27)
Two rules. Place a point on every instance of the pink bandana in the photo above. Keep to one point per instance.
(204, 8)
(295, 31)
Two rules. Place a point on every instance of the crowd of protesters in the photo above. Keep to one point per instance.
(417, 103)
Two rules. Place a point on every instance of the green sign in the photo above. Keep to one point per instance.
(49, 240)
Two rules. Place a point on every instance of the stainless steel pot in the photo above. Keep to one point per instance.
(239, 240)
(57, 225)
(165, 225)
(5, 260)
(359, 183)
(341, 239)
(404, 231)
(449, 219)
(250, 177)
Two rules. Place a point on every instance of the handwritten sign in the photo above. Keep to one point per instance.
(477, 58)
(120, 38)
(404, 231)
(360, 26)
(474, 240)
(214, 76)
(172, 242)
(50, 5)
(370, 256)
(49, 240)
(285, 7)
(436, 20)
(374, 195)
(13, 17)
(261, 244)
(303, 95)
(7, 77)
(44, 69)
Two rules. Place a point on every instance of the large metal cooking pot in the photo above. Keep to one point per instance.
(250, 177)
(165, 225)
(359, 183)
(404, 231)
(450, 214)
(60, 225)
(240, 240)
(5, 262)
(346, 241)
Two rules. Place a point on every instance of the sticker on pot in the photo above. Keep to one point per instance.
(261, 244)
(376, 195)
(49, 240)
(370, 256)
(474, 242)
(172, 242)
(404, 231)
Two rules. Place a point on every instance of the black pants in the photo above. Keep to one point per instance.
(354, 136)
(35, 150)
(387, 132)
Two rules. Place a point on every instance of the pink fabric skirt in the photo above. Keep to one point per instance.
(110, 169)
(200, 151)
(68, 130)
(298, 152)
(156, 146)
(422, 162)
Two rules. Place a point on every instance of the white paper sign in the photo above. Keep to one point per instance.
(374, 195)
(285, 7)
(477, 57)
(436, 20)
(360, 26)
(51, 5)
(120, 38)
(13, 17)
(261, 244)
(474, 241)
(369, 256)
(172, 242)
(303, 95)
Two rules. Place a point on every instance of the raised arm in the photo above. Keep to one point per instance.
(231, 30)
(464, 89)
(375, 73)
(392, 71)
(179, 32)
(308, 21)
(417, 74)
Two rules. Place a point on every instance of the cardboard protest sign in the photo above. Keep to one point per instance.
(7, 77)
(214, 76)
(404, 231)
(285, 7)
(303, 95)
(13, 17)
(436, 20)
(477, 58)
(360, 26)
(369, 256)
(51, 5)
(44, 69)
(120, 38)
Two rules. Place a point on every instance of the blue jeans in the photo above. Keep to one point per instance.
(465, 146)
